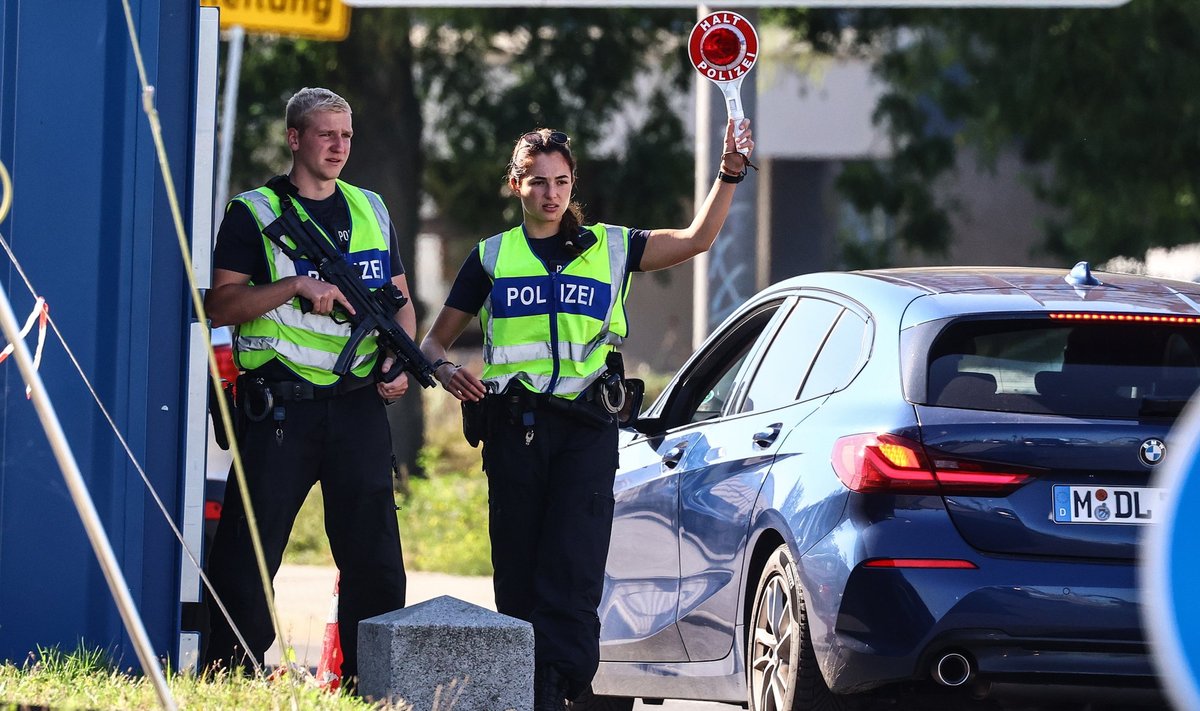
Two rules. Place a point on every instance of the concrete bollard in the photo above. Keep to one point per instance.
(447, 652)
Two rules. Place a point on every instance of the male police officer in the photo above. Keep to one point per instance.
(301, 423)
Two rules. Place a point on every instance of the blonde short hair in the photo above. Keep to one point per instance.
(309, 99)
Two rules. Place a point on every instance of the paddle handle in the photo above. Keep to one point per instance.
(732, 91)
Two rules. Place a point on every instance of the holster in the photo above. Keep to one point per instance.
(221, 389)
(474, 417)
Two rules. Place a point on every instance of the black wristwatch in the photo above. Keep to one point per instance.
(727, 178)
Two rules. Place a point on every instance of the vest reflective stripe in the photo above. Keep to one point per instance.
(381, 214)
(618, 257)
(552, 332)
(309, 344)
(507, 355)
(295, 353)
(539, 383)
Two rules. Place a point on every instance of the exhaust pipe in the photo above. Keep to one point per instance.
(952, 669)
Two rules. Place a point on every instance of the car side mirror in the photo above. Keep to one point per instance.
(648, 425)
(635, 390)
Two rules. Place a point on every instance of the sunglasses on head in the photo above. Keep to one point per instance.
(534, 138)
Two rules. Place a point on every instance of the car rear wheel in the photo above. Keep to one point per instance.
(782, 669)
(590, 702)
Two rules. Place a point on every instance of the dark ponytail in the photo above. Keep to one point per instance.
(568, 229)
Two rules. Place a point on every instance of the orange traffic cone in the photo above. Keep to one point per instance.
(329, 671)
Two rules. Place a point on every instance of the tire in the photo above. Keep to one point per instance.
(588, 702)
(781, 668)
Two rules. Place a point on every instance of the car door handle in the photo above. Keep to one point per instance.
(671, 459)
(765, 438)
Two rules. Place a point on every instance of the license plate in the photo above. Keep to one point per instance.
(1108, 504)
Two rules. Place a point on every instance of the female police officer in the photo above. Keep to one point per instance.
(550, 295)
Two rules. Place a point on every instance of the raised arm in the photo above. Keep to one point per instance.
(668, 247)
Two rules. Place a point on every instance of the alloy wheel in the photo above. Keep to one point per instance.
(773, 650)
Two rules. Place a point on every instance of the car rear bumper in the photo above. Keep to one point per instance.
(1064, 623)
(1007, 659)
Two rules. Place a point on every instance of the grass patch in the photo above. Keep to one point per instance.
(86, 679)
(443, 527)
(443, 518)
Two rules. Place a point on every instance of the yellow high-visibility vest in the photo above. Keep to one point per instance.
(308, 343)
(553, 331)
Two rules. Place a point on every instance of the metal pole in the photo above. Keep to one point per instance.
(725, 276)
(732, 262)
(703, 177)
(84, 505)
(233, 74)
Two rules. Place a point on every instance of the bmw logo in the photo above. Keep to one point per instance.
(1152, 452)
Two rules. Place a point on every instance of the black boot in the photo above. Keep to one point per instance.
(549, 689)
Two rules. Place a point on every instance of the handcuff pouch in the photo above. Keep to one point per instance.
(626, 404)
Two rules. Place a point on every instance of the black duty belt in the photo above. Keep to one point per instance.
(599, 392)
(517, 399)
(259, 396)
(297, 390)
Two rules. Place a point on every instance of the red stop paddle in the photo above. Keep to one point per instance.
(723, 47)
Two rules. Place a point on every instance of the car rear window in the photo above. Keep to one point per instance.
(1086, 369)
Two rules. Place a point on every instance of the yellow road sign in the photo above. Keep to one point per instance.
(320, 19)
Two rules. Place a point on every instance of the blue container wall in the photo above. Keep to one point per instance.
(91, 227)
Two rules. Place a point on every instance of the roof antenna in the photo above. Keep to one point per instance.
(1081, 275)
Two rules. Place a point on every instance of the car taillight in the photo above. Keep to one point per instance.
(869, 463)
(212, 510)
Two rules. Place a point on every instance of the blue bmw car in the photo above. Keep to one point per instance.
(880, 481)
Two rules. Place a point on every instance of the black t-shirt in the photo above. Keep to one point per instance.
(472, 285)
(240, 244)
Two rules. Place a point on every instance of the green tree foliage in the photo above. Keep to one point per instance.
(1101, 105)
(482, 78)
(490, 76)
(273, 68)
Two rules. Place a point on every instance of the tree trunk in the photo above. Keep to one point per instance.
(386, 158)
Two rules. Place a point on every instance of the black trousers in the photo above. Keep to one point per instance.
(344, 443)
(550, 501)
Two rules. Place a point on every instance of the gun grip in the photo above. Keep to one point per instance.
(397, 368)
(339, 314)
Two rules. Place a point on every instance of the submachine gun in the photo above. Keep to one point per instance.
(373, 310)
